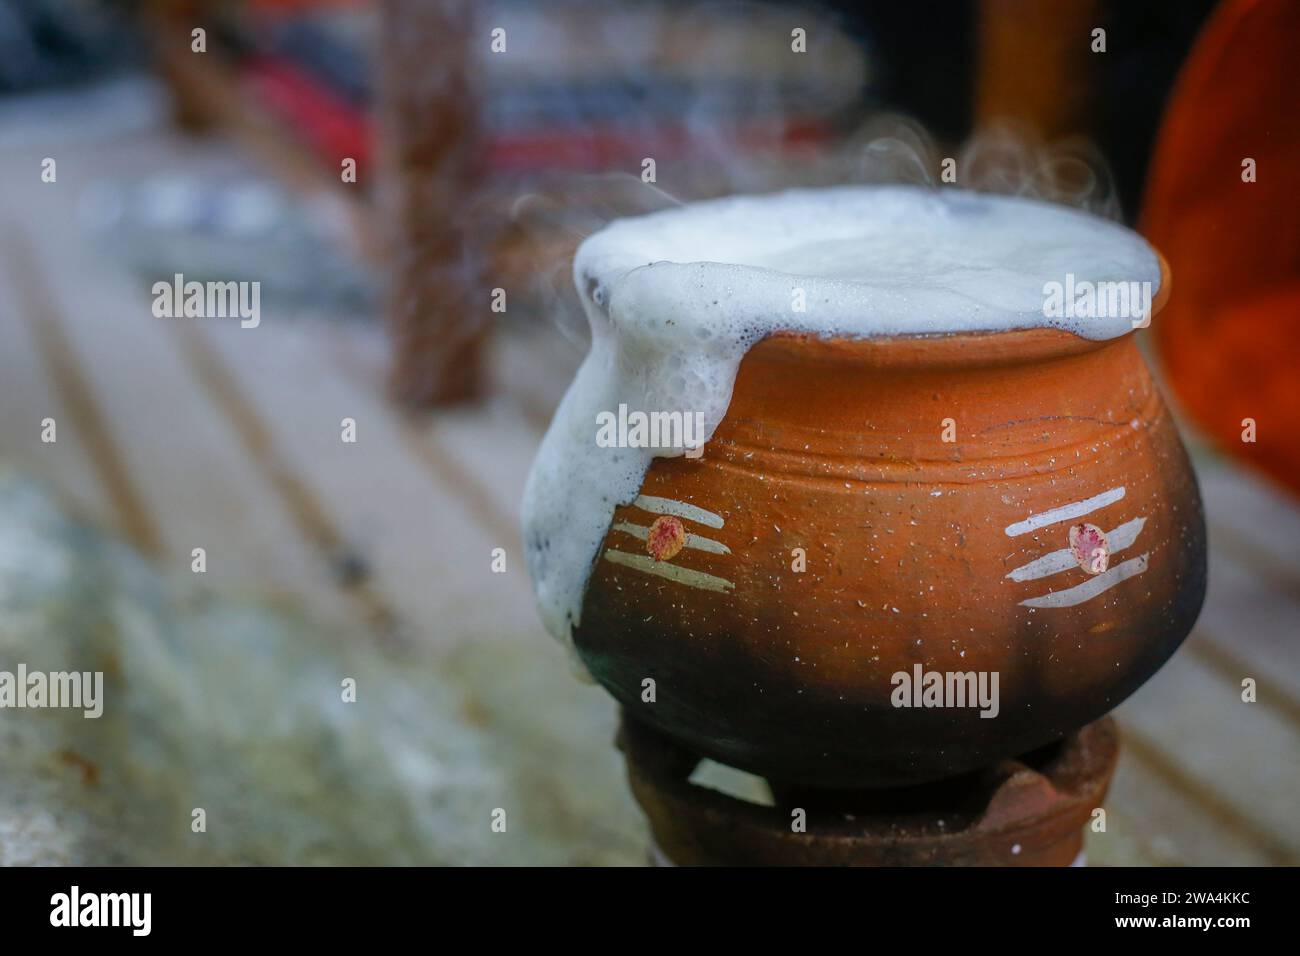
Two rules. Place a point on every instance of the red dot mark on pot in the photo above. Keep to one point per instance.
(1090, 547)
(667, 536)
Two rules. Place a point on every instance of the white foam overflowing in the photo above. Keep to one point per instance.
(676, 298)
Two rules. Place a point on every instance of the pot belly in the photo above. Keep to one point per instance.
(773, 635)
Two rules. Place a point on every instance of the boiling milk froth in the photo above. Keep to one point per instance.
(676, 298)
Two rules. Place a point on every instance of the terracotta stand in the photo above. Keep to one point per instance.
(1025, 812)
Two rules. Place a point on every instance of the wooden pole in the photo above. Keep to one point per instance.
(430, 146)
(1035, 64)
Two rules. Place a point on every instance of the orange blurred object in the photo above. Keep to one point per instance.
(1229, 339)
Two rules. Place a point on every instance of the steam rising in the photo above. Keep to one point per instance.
(888, 148)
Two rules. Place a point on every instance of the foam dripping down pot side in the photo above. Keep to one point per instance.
(675, 299)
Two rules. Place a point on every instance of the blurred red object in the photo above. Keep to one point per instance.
(1229, 338)
(329, 124)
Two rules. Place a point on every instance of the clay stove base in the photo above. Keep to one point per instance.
(1029, 811)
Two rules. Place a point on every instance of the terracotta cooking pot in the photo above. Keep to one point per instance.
(954, 555)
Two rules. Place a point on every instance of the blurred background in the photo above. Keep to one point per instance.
(181, 508)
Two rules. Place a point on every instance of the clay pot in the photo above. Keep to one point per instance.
(951, 555)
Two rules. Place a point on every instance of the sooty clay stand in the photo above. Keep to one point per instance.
(1029, 811)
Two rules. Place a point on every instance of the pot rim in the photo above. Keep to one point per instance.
(941, 349)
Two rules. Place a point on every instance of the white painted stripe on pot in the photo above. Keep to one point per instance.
(698, 542)
(673, 572)
(667, 506)
(1091, 588)
(1063, 560)
(1064, 513)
